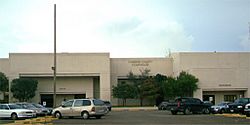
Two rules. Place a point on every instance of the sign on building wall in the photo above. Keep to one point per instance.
(140, 62)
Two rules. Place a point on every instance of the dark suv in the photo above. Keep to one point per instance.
(188, 106)
(239, 105)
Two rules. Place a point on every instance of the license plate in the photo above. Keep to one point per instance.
(231, 110)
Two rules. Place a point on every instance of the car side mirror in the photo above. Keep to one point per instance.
(63, 106)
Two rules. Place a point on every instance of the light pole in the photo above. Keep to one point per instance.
(54, 68)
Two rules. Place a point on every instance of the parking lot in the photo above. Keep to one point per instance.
(150, 118)
(154, 118)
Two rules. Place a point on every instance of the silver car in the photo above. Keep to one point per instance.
(84, 108)
(220, 108)
(38, 109)
(14, 112)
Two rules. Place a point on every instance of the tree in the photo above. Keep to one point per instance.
(4, 86)
(160, 84)
(23, 89)
(187, 84)
(138, 82)
(4, 82)
(124, 91)
(149, 89)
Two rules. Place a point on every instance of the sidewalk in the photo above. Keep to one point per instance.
(134, 108)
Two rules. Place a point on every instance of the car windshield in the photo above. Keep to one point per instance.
(221, 104)
(28, 106)
(12, 106)
(242, 100)
(37, 105)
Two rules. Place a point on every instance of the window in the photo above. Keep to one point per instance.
(78, 103)
(98, 102)
(4, 107)
(68, 103)
(86, 103)
(229, 98)
(197, 101)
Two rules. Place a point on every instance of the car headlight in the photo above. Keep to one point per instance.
(38, 111)
(239, 106)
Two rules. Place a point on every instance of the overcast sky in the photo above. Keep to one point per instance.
(125, 28)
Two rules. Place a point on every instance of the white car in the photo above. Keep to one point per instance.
(14, 112)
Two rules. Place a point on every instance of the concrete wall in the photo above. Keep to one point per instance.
(120, 67)
(221, 71)
(4, 66)
(67, 63)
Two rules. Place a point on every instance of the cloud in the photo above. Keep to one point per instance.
(96, 26)
(147, 37)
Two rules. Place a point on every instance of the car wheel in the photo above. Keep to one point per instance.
(58, 115)
(14, 116)
(85, 115)
(174, 112)
(98, 117)
(206, 111)
(187, 111)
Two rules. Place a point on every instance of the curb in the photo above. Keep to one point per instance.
(233, 115)
(37, 121)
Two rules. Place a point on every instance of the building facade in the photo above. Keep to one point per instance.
(222, 76)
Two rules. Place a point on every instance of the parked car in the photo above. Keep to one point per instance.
(247, 110)
(108, 104)
(239, 105)
(220, 108)
(14, 112)
(188, 106)
(39, 110)
(46, 110)
(163, 105)
(84, 108)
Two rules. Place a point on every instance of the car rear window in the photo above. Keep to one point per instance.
(98, 102)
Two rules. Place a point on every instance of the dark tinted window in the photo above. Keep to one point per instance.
(15, 107)
(86, 103)
(4, 107)
(243, 100)
(98, 102)
(197, 101)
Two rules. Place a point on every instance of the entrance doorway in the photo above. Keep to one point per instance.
(47, 99)
(210, 98)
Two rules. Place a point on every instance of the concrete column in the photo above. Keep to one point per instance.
(105, 90)
(198, 94)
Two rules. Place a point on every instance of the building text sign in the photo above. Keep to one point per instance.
(140, 62)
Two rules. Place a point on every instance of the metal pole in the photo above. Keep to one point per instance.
(54, 68)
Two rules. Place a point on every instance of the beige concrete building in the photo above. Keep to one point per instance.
(222, 76)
